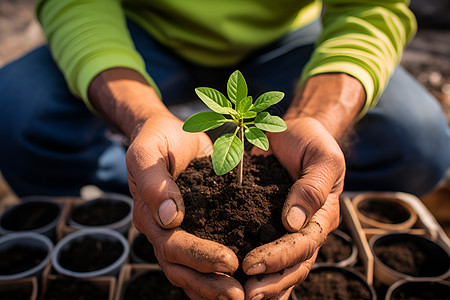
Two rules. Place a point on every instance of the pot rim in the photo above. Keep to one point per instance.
(64, 242)
(398, 274)
(106, 196)
(30, 199)
(26, 236)
(408, 223)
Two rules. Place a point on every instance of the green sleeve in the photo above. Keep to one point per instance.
(86, 38)
(364, 39)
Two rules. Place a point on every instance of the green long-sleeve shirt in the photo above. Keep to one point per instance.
(362, 38)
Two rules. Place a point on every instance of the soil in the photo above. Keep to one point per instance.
(143, 249)
(384, 211)
(89, 254)
(29, 216)
(100, 212)
(412, 258)
(334, 250)
(422, 290)
(240, 217)
(152, 285)
(19, 258)
(330, 283)
(68, 288)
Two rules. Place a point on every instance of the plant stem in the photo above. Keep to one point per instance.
(241, 163)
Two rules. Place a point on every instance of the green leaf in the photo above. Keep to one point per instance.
(236, 87)
(267, 100)
(228, 152)
(266, 122)
(214, 99)
(203, 121)
(244, 105)
(248, 115)
(257, 138)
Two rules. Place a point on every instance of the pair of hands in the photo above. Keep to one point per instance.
(161, 150)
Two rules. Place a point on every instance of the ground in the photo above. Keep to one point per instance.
(427, 57)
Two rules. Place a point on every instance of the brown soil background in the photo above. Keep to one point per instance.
(427, 57)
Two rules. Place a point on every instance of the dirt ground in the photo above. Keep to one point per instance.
(427, 57)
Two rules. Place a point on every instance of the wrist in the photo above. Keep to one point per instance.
(125, 99)
(332, 99)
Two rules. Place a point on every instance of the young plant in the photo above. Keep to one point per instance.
(248, 116)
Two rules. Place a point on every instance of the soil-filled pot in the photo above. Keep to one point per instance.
(34, 213)
(151, 284)
(19, 289)
(402, 256)
(91, 253)
(333, 283)
(113, 211)
(24, 254)
(385, 211)
(70, 288)
(141, 251)
(419, 290)
(240, 217)
(338, 249)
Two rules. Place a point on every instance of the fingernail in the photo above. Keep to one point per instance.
(167, 212)
(259, 268)
(260, 296)
(224, 268)
(296, 217)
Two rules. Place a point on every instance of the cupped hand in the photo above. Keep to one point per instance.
(157, 154)
(311, 211)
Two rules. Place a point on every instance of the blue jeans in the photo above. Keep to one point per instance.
(51, 144)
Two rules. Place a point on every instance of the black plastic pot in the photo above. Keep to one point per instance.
(331, 282)
(406, 256)
(34, 213)
(111, 211)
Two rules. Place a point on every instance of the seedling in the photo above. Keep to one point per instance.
(249, 117)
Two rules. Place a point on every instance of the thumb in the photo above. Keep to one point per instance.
(156, 188)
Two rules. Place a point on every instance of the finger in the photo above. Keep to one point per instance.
(310, 192)
(285, 252)
(203, 286)
(295, 247)
(280, 284)
(179, 247)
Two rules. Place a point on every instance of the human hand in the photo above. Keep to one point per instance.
(158, 153)
(314, 159)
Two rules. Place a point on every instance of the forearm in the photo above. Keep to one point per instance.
(332, 99)
(124, 97)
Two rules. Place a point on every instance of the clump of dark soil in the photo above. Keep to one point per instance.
(385, 211)
(20, 258)
(152, 285)
(330, 283)
(68, 288)
(100, 212)
(240, 217)
(90, 254)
